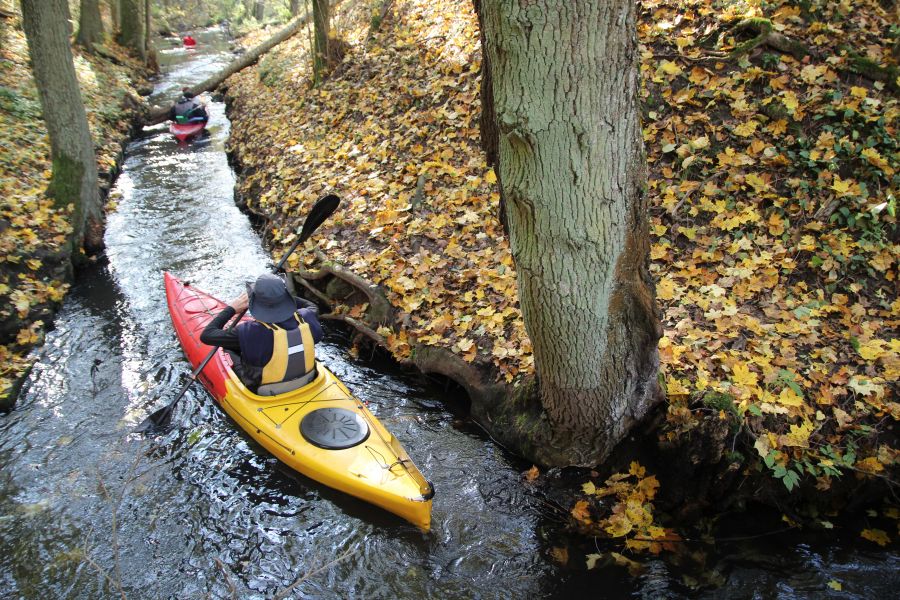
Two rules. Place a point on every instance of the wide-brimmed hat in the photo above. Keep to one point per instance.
(270, 301)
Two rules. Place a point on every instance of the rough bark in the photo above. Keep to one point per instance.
(131, 27)
(90, 25)
(321, 26)
(158, 114)
(74, 178)
(565, 90)
(115, 11)
(490, 134)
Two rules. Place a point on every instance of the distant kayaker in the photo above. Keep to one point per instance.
(277, 350)
(189, 41)
(188, 109)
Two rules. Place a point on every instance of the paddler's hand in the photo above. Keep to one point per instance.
(240, 303)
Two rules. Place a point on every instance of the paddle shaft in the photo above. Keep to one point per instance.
(320, 211)
(234, 324)
(196, 372)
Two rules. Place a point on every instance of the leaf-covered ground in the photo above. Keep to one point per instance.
(773, 175)
(32, 233)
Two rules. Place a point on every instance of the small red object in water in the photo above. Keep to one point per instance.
(189, 41)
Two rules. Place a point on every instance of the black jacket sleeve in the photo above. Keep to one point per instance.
(306, 304)
(215, 335)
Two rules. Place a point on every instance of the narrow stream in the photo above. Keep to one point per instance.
(87, 506)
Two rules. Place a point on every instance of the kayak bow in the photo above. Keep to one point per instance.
(320, 430)
(185, 131)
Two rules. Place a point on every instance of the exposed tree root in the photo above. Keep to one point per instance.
(765, 36)
(360, 327)
(380, 312)
(871, 70)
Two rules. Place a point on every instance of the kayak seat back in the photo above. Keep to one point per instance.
(283, 387)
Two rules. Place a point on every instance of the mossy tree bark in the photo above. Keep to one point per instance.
(573, 171)
(90, 25)
(74, 179)
(131, 27)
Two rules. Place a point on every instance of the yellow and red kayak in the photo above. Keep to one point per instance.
(320, 430)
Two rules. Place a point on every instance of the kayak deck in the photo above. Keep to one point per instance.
(185, 131)
(375, 469)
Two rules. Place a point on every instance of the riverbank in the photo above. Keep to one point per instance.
(34, 272)
(772, 173)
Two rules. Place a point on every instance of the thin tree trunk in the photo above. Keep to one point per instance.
(131, 28)
(74, 178)
(90, 25)
(295, 7)
(565, 89)
(321, 26)
(147, 28)
(259, 10)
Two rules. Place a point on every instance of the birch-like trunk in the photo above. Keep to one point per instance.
(74, 178)
(572, 167)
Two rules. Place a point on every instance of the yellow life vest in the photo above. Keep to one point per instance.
(293, 353)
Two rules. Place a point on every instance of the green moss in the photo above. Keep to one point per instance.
(721, 402)
(65, 185)
(870, 69)
(763, 27)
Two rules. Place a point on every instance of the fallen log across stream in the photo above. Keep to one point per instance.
(158, 114)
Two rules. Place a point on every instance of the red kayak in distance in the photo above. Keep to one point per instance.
(189, 41)
(185, 131)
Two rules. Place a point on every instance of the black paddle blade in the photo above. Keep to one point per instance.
(156, 420)
(320, 211)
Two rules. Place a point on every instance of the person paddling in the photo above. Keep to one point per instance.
(188, 109)
(189, 41)
(276, 351)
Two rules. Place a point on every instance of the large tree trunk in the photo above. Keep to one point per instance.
(115, 11)
(565, 90)
(90, 24)
(74, 179)
(487, 123)
(321, 26)
(131, 28)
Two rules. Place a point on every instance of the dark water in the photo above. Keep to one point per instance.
(90, 510)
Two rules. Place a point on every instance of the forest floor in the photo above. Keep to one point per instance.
(34, 273)
(774, 162)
